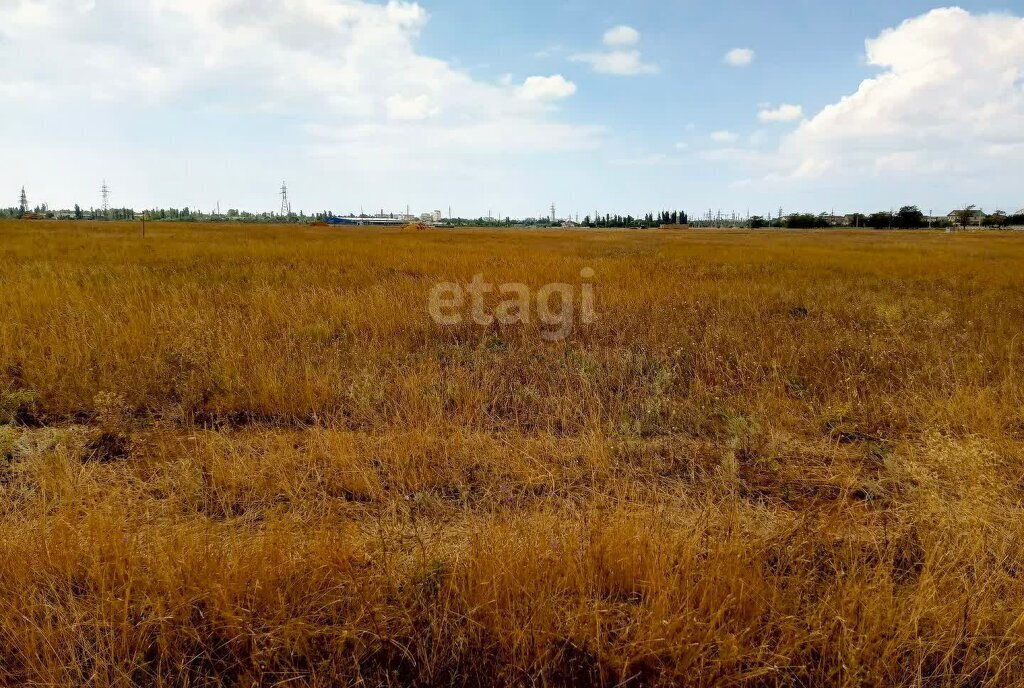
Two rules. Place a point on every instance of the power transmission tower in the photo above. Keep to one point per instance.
(554, 217)
(23, 202)
(105, 195)
(286, 206)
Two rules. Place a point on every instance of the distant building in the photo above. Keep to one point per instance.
(363, 221)
(976, 216)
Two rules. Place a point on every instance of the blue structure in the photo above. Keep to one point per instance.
(362, 221)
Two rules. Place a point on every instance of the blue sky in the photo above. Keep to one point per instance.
(608, 106)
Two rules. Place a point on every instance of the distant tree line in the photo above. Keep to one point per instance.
(665, 217)
(649, 220)
(44, 211)
(907, 217)
(158, 214)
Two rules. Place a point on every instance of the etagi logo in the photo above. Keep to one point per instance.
(556, 306)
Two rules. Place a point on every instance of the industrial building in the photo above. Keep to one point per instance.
(366, 221)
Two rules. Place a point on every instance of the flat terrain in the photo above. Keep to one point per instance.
(248, 456)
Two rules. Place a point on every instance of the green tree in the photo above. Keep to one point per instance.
(996, 219)
(909, 217)
(805, 221)
(882, 220)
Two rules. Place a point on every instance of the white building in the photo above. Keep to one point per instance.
(977, 215)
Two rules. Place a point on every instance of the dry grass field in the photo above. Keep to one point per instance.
(248, 456)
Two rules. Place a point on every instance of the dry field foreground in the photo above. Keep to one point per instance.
(247, 456)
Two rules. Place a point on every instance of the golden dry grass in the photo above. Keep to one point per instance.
(247, 456)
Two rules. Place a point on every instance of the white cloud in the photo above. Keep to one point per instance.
(783, 113)
(29, 14)
(739, 57)
(724, 136)
(908, 161)
(620, 36)
(342, 63)
(540, 88)
(949, 100)
(410, 108)
(618, 59)
(617, 62)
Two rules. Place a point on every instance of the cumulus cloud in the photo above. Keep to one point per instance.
(724, 136)
(538, 88)
(783, 113)
(908, 161)
(949, 99)
(739, 57)
(620, 36)
(617, 62)
(412, 108)
(333, 62)
(618, 58)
